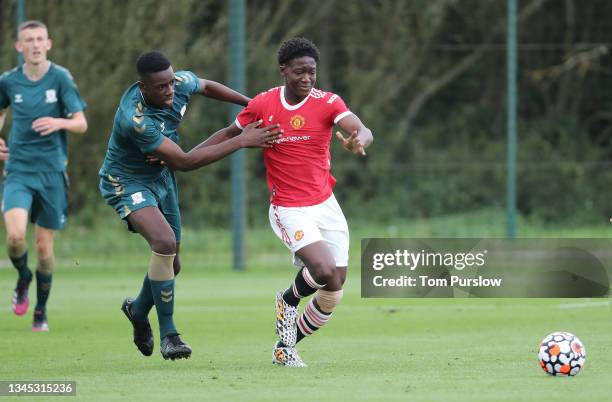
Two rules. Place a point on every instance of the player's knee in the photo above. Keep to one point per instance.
(16, 246)
(327, 301)
(336, 282)
(15, 239)
(322, 271)
(44, 248)
(163, 245)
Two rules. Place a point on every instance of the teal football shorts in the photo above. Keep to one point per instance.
(42, 194)
(127, 195)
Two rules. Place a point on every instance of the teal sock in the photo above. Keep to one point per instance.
(163, 295)
(21, 265)
(143, 303)
(43, 287)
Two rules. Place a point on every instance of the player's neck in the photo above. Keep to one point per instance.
(35, 72)
(291, 98)
(146, 101)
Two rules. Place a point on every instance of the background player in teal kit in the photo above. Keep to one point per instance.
(45, 104)
(145, 194)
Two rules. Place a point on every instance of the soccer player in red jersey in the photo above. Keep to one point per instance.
(304, 213)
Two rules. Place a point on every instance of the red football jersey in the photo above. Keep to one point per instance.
(298, 165)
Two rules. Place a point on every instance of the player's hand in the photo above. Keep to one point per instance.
(351, 143)
(4, 154)
(254, 136)
(153, 161)
(47, 125)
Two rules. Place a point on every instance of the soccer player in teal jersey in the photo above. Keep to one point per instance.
(45, 104)
(143, 191)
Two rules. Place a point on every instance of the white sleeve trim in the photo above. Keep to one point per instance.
(342, 116)
(238, 124)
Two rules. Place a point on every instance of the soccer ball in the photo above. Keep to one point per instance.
(562, 354)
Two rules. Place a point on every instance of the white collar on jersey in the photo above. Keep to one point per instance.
(287, 105)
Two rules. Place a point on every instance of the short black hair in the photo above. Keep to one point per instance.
(295, 48)
(152, 62)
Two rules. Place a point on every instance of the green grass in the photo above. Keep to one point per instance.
(438, 350)
(372, 350)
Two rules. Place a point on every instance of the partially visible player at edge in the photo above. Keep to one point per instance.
(144, 193)
(45, 104)
(304, 213)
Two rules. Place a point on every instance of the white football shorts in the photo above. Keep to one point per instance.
(298, 227)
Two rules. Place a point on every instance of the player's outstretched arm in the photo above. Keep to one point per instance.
(220, 136)
(360, 137)
(77, 123)
(252, 136)
(215, 90)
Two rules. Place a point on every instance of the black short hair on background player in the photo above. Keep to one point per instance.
(295, 48)
(152, 62)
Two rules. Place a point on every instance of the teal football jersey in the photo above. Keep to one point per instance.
(139, 129)
(54, 95)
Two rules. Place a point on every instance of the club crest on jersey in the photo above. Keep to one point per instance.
(297, 121)
(50, 96)
(137, 198)
(299, 235)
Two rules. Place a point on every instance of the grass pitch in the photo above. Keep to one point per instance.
(372, 350)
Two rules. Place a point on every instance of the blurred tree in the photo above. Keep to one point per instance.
(428, 76)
